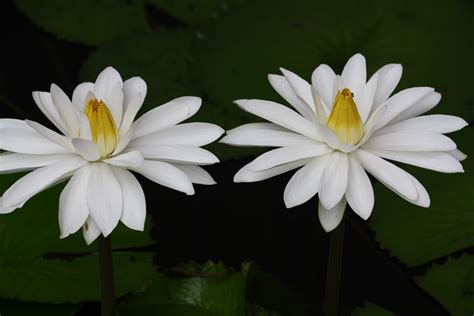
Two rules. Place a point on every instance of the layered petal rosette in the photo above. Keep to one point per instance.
(97, 145)
(342, 127)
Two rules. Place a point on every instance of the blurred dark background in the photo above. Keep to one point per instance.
(405, 260)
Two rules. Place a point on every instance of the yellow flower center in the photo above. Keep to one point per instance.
(344, 119)
(103, 129)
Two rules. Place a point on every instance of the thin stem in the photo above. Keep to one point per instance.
(107, 287)
(333, 271)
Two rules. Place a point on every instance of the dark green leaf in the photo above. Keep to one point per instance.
(18, 308)
(371, 310)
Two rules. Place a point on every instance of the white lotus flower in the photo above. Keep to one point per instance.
(99, 142)
(343, 127)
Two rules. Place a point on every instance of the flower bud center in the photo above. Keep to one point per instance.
(344, 119)
(103, 130)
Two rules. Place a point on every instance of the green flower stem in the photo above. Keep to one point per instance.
(333, 270)
(107, 286)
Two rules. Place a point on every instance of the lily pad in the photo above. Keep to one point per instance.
(452, 284)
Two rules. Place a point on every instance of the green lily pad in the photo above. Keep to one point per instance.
(371, 310)
(445, 227)
(18, 308)
(211, 289)
(89, 21)
(452, 284)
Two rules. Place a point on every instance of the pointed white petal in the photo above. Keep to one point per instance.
(167, 175)
(300, 86)
(284, 155)
(104, 197)
(305, 182)
(90, 231)
(331, 218)
(39, 180)
(359, 193)
(354, 73)
(11, 162)
(87, 149)
(281, 115)
(132, 88)
(84, 127)
(422, 198)
(402, 101)
(114, 102)
(390, 175)
(456, 153)
(46, 105)
(196, 174)
(323, 82)
(365, 98)
(410, 141)
(105, 83)
(73, 209)
(334, 180)
(322, 111)
(436, 123)
(339, 85)
(281, 85)
(423, 105)
(178, 154)
(134, 204)
(18, 136)
(79, 95)
(67, 112)
(191, 134)
(438, 161)
(130, 113)
(166, 115)
(388, 78)
(124, 141)
(51, 135)
(129, 159)
(245, 174)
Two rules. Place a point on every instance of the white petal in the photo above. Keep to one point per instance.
(90, 230)
(436, 123)
(410, 141)
(331, 218)
(191, 134)
(456, 153)
(134, 204)
(178, 154)
(390, 175)
(11, 162)
(334, 180)
(354, 73)
(46, 105)
(364, 99)
(130, 113)
(402, 101)
(104, 197)
(322, 111)
(196, 174)
(87, 149)
(84, 127)
(359, 193)
(73, 209)
(129, 159)
(284, 155)
(114, 102)
(265, 135)
(281, 85)
(124, 141)
(423, 105)
(305, 182)
(245, 174)
(18, 136)
(331, 139)
(323, 82)
(166, 115)
(67, 112)
(388, 78)
(105, 83)
(51, 135)
(281, 115)
(300, 86)
(132, 88)
(438, 161)
(79, 95)
(339, 85)
(167, 175)
(422, 198)
(39, 180)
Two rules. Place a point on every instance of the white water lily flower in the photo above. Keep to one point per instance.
(99, 141)
(344, 126)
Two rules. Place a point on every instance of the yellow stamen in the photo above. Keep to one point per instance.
(344, 119)
(103, 129)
